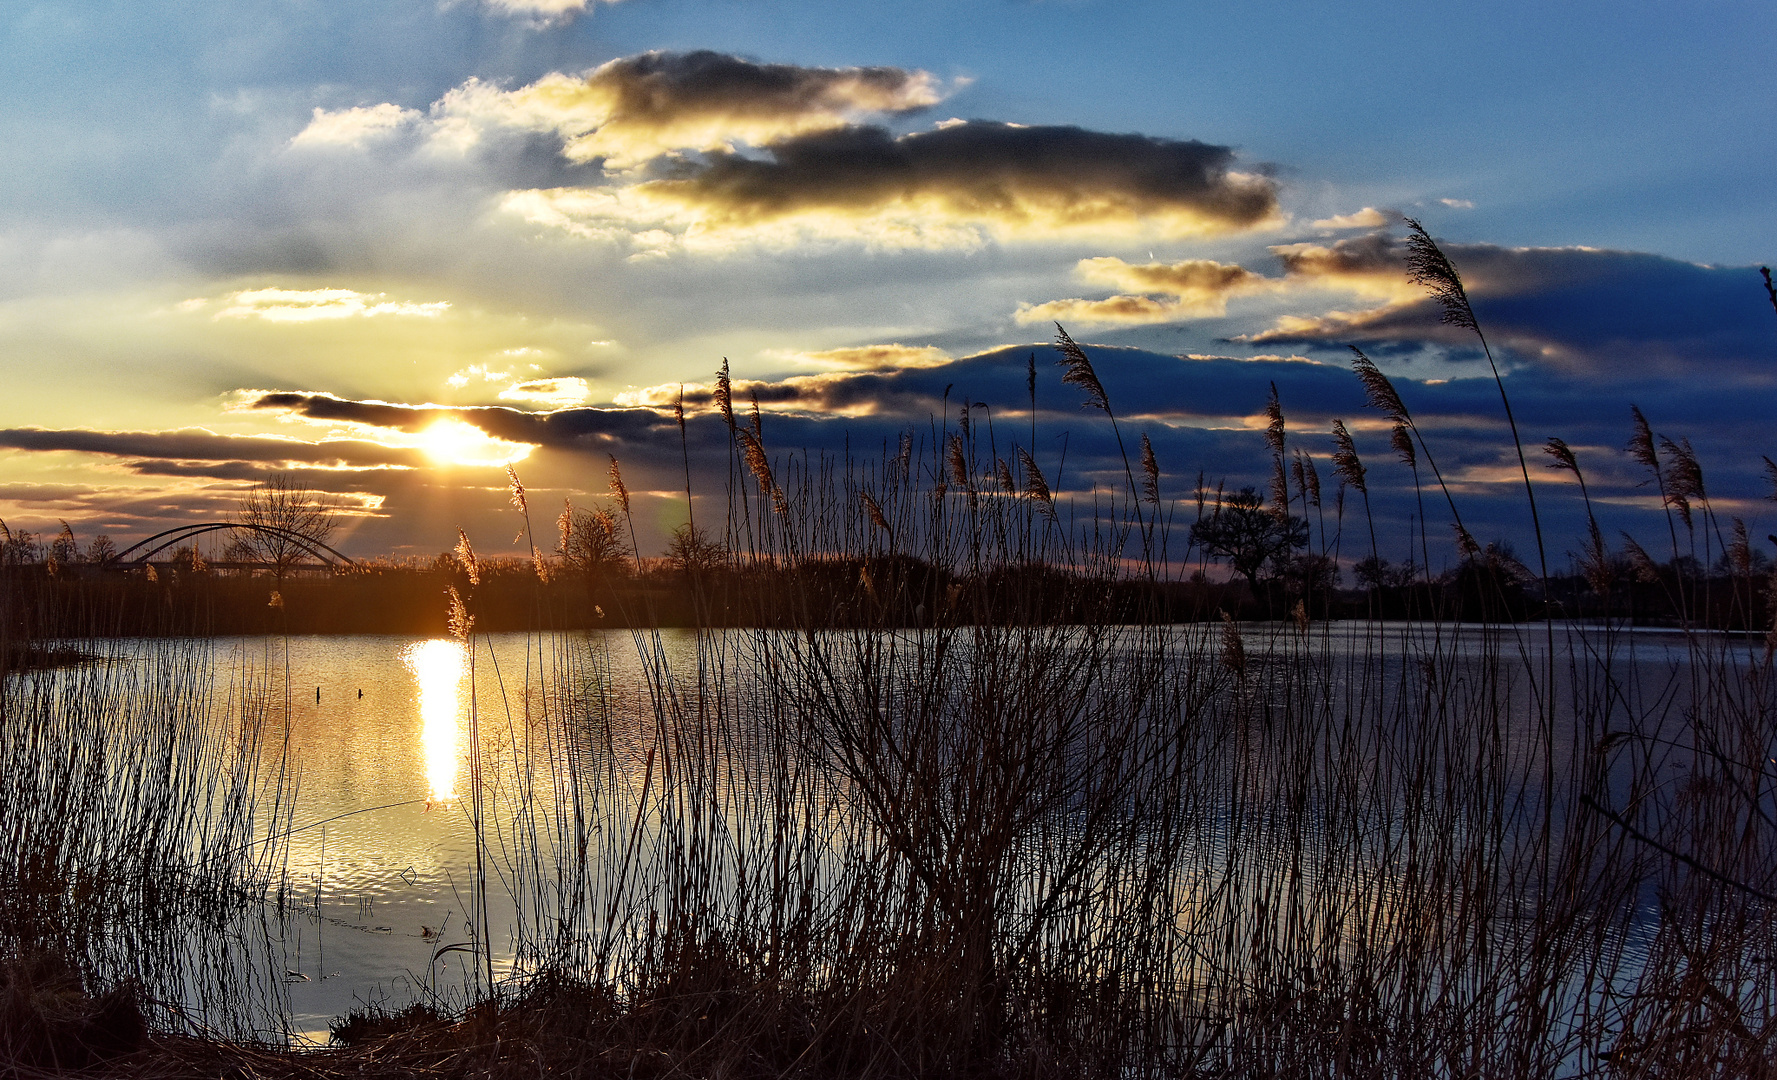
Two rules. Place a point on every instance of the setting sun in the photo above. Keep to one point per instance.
(453, 442)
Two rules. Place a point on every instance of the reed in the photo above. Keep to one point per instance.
(947, 834)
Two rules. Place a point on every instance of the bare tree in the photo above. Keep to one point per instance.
(592, 543)
(691, 550)
(281, 519)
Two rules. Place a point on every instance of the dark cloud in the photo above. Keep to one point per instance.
(1583, 311)
(1043, 178)
(572, 428)
(658, 89)
(631, 110)
(198, 445)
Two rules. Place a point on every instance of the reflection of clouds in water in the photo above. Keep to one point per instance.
(438, 667)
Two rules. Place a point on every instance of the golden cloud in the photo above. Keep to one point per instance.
(1194, 288)
(310, 305)
(1372, 265)
(557, 393)
(638, 108)
(873, 357)
(1128, 310)
(959, 185)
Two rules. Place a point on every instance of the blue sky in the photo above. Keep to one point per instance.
(519, 224)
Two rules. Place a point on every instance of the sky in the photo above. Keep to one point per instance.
(388, 248)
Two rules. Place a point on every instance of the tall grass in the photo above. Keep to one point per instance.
(142, 797)
(946, 835)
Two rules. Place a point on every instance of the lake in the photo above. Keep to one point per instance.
(377, 856)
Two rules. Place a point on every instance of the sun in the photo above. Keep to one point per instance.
(452, 442)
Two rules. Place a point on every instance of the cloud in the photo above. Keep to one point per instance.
(198, 446)
(555, 393)
(629, 111)
(956, 186)
(354, 127)
(484, 372)
(1367, 218)
(583, 428)
(1458, 204)
(838, 394)
(542, 8)
(1115, 310)
(1195, 288)
(872, 357)
(310, 305)
(1585, 311)
(1373, 266)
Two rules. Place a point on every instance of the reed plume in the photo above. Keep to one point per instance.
(465, 553)
(959, 470)
(1034, 484)
(760, 465)
(1079, 371)
(725, 395)
(1740, 549)
(1402, 442)
(1563, 455)
(1378, 390)
(1150, 472)
(1309, 475)
(757, 461)
(1684, 478)
(1428, 266)
(618, 490)
(1274, 438)
(1465, 541)
(1346, 465)
(1274, 427)
(1646, 570)
(459, 620)
(1641, 441)
(874, 510)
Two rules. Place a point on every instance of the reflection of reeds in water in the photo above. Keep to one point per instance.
(140, 810)
(136, 773)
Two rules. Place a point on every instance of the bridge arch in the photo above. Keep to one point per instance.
(160, 541)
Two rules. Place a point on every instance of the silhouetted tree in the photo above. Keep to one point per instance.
(592, 542)
(691, 550)
(1242, 530)
(282, 504)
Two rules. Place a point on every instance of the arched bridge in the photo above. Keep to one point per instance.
(160, 541)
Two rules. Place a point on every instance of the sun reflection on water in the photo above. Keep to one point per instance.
(438, 667)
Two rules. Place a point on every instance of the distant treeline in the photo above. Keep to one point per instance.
(47, 600)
